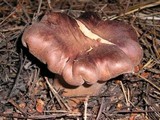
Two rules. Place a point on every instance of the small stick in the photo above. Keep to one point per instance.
(124, 92)
(58, 97)
(39, 7)
(13, 12)
(100, 109)
(38, 11)
(85, 107)
(17, 77)
(33, 82)
(49, 4)
(26, 14)
(147, 80)
(17, 106)
(153, 107)
(138, 7)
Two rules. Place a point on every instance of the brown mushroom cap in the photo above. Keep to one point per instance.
(116, 32)
(86, 49)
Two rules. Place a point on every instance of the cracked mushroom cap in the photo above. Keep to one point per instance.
(86, 49)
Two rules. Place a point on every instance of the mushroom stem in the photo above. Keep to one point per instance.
(77, 95)
(72, 91)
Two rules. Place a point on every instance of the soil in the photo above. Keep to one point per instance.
(25, 91)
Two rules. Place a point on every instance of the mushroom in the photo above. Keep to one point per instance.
(83, 52)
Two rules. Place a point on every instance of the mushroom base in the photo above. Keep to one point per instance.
(72, 91)
(76, 95)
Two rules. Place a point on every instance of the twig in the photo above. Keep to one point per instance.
(58, 97)
(124, 92)
(158, 88)
(17, 106)
(26, 14)
(102, 8)
(13, 12)
(49, 4)
(39, 7)
(147, 17)
(149, 63)
(153, 107)
(12, 29)
(8, 4)
(148, 4)
(100, 109)
(146, 35)
(136, 111)
(17, 77)
(38, 11)
(33, 83)
(85, 107)
(39, 117)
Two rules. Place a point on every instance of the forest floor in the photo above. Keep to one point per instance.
(24, 92)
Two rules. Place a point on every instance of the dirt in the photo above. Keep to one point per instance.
(24, 92)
